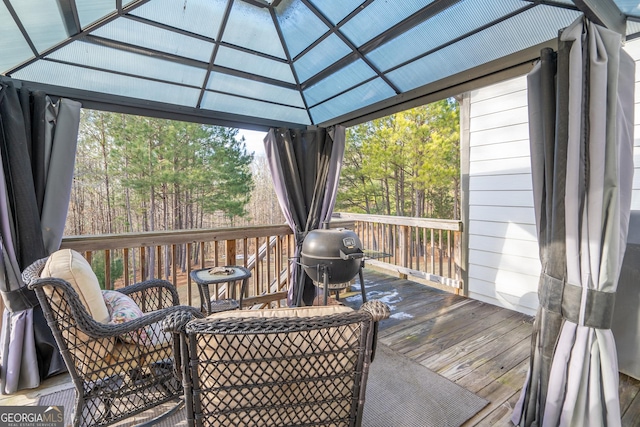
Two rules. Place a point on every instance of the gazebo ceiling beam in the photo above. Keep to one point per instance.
(605, 13)
(70, 18)
(119, 104)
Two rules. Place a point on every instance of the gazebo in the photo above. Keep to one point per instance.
(303, 69)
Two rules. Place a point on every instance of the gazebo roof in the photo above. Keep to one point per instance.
(263, 63)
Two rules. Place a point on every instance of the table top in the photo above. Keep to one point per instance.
(204, 275)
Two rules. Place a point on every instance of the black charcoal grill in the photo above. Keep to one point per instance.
(333, 257)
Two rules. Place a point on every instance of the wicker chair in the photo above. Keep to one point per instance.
(118, 370)
(280, 367)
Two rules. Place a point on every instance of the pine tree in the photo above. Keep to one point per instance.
(404, 164)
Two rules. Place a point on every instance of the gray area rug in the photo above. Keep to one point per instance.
(67, 399)
(400, 393)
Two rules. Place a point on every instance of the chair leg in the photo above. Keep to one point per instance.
(101, 391)
(160, 369)
(77, 415)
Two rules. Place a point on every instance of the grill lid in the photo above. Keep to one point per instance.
(334, 252)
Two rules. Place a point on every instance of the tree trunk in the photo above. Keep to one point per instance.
(152, 214)
(105, 165)
(387, 196)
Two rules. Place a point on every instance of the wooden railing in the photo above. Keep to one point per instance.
(171, 255)
(422, 248)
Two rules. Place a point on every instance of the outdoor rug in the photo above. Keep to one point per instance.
(66, 398)
(400, 392)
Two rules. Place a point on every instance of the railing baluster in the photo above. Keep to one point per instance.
(268, 262)
(189, 293)
(125, 265)
(449, 245)
(159, 274)
(245, 252)
(257, 268)
(412, 246)
(202, 255)
(440, 253)
(143, 263)
(107, 269)
(174, 265)
(425, 246)
(245, 260)
(433, 253)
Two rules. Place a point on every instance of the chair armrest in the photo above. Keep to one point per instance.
(177, 321)
(87, 324)
(377, 309)
(32, 272)
(153, 294)
(107, 330)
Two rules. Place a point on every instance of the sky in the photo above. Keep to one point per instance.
(253, 140)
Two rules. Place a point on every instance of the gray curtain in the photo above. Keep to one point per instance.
(37, 146)
(305, 168)
(581, 134)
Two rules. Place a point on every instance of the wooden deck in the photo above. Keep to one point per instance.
(483, 348)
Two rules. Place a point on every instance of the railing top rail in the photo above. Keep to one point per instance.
(440, 224)
(172, 237)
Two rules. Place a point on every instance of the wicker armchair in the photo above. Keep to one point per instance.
(282, 367)
(118, 370)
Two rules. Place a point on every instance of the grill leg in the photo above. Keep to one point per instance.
(326, 286)
(364, 293)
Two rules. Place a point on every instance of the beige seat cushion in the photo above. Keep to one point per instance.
(69, 265)
(285, 312)
(89, 355)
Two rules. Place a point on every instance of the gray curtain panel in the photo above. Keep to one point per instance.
(305, 168)
(581, 134)
(37, 145)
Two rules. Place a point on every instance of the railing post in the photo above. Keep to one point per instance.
(457, 259)
(404, 247)
(230, 252)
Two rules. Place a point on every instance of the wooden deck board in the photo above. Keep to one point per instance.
(499, 393)
(482, 348)
(462, 349)
(631, 417)
(629, 390)
(492, 369)
(500, 416)
(450, 338)
(428, 331)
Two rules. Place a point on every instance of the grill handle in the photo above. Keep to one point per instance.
(356, 254)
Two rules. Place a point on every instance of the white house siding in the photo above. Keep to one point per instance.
(503, 251)
(633, 49)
